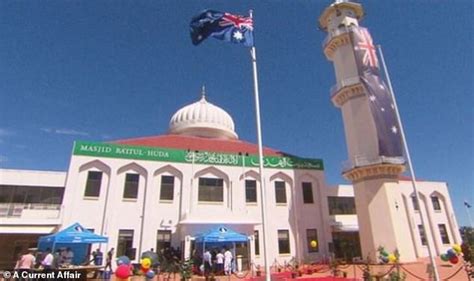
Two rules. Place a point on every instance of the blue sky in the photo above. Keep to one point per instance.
(107, 70)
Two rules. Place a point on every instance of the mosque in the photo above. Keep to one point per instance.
(166, 190)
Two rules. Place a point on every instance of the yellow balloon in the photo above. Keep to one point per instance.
(146, 263)
(457, 248)
(313, 244)
(392, 258)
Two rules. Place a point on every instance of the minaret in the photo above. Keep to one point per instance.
(373, 143)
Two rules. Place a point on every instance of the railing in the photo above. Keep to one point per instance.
(361, 161)
(344, 83)
(15, 210)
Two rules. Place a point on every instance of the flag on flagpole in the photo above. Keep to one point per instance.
(381, 104)
(223, 26)
(467, 204)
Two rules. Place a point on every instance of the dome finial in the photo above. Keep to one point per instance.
(203, 92)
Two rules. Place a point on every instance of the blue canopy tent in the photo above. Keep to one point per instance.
(221, 236)
(75, 237)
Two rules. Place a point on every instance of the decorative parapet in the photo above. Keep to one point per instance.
(347, 92)
(373, 171)
(335, 41)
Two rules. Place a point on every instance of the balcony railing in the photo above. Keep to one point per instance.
(361, 161)
(344, 83)
(21, 210)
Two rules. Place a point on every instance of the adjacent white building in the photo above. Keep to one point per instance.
(162, 191)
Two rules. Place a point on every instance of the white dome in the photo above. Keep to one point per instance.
(203, 119)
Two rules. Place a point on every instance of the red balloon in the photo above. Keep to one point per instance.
(454, 260)
(144, 270)
(122, 272)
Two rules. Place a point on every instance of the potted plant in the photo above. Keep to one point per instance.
(186, 270)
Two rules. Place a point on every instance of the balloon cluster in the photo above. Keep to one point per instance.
(387, 257)
(145, 267)
(123, 268)
(452, 255)
(148, 260)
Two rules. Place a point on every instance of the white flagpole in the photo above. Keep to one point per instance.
(410, 167)
(263, 198)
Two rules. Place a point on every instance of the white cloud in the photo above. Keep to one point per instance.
(69, 132)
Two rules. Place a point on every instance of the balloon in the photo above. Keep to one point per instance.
(392, 258)
(457, 249)
(314, 244)
(123, 260)
(454, 260)
(146, 263)
(450, 253)
(384, 259)
(444, 257)
(144, 270)
(152, 256)
(122, 271)
(384, 253)
(150, 274)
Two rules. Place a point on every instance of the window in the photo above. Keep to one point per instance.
(167, 188)
(94, 179)
(283, 242)
(416, 207)
(307, 193)
(257, 242)
(251, 191)
(443, 233)
(312, 235)
(421, 230)
(131, 186)
(163, 240)
(341, 205)
(125, 242)
(211, 190)
(435, 201)
(280, 192)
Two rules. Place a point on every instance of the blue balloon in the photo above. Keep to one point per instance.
(150, 274)
(451, 253)
(123, 260)
(384, 259)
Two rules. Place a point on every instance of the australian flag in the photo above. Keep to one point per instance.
(381, 103)
(223, 26)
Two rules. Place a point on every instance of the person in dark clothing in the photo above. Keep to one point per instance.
(108, 261)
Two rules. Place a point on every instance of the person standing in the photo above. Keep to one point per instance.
(108, 260)
(228, 262)
(68, 256)
(207, 259)
(47, 262)
(220, 262)
(26, 263)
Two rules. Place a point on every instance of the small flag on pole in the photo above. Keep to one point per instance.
(467, 204)
(223, 26)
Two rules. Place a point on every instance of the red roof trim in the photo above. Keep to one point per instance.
(199, 143)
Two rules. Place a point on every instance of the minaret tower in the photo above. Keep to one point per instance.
(374, 165)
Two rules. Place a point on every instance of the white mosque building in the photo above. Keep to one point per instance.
(161, 191)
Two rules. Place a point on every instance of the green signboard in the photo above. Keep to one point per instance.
(110, 150)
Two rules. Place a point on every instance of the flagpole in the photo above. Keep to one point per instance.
(263, 198)
(410, 166)
(468, 213)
